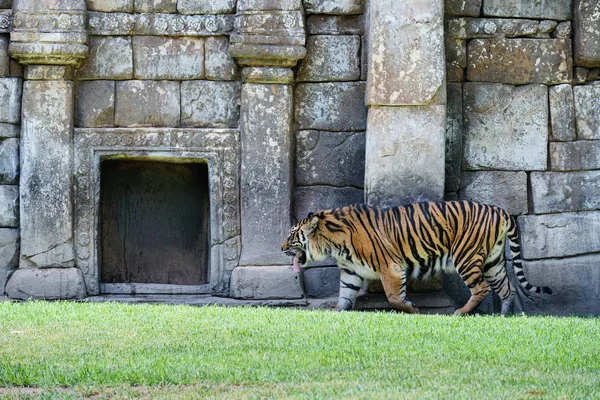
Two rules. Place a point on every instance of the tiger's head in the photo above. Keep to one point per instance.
(297, 242)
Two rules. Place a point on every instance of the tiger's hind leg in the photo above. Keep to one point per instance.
(393, 279)
(473, 277)
(496, 276)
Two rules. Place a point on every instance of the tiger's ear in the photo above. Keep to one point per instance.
(312, 225)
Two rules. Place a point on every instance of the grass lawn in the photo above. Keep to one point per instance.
(108, 350)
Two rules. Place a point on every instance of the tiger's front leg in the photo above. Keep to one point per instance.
(393, 279)
(350, 284)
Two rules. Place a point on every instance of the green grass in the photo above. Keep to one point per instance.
(106, 350)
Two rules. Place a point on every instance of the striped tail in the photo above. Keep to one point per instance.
(515, 250)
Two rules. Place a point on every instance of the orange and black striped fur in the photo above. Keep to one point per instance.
(416, 240)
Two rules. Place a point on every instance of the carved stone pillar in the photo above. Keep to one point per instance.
(49, 38)
(268, 41)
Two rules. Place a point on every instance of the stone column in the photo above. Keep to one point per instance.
(49, 38)
(268, 41)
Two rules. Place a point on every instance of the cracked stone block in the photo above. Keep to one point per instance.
(586, 43)
(10, 100)
(147, 103)
(156, 6)
(547, 61)
(507, 190)
(9, 161)
(206, 6)
(4, 57)
(565, 191)
(9, 206)
(333, 6)
(210, 104)
(218, 64)
(467, 8)
(9, 255)
(160, 57)
(314, 198)
(110, 5)
(587, 104)
(335, 25)
(544, 9)
(560, 235)
(331, 106)
(506, 127)
(454, 136)
(330, 158)
(109, 57)
(9, 130)
(95, 104)
(321, 282)
(562, 113)
(270, 282)
(331, 58)
(46, 283)
(572, 156)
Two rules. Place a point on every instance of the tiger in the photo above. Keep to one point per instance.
(416, 241)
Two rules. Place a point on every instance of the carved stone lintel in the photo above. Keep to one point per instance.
(268, 75)
(48, 72)
(5, 21)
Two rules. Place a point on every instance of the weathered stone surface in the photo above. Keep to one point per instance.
(560, 235)
(218, 64)
(320, 282)
(488, 28)
(10, 100)
(47, 283)
(454, 73)
(6, 3)
(109, 58)
(206, 6)
(16, 69)
(506, 126)
(277, 282)
(565, 191)
(314, 198)
(581, 74)
(267, 5)
(397, 138)
(335, 25)
(9, 255)
(507, 190)
(550, 9)
(469, 8)
(110, 5)
(331, 106)
(266, 180)
(4, 57)
(333, 6)
(268, 75)
(572, 156)
(456, 51)
(587, 116)
(586, 43)
(158, 57)
(95, 104)
(520, 61)
(331, 58)
(147, 103)
(9, 130)
(404, 69)
(330, 158)
(454, 136)
(9, 161)
(9, 207)
(156, 6)
(210, 104)
(562, 113)
(562, 30)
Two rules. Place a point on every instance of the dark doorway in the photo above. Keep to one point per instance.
(154, 222)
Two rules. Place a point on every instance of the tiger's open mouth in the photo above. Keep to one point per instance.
(299, 257)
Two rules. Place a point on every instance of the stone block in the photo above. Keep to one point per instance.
(47, 284)
(454, 73)
(586, 24)
(587, 117)
(160, 57)
(9, 255)
(9, 161)
(95, 104)
(454, 136)
(260, 283)
(155, 6)
(562, 30)
(468, 8)
(4, 57)
(218, 64)
(331, 106)
(572, 156)
(506, 126)
(125, 6)
(335, 25)
(520, 61)
(6, 3)
(456, 51)
(404, 69)
(268, 5)
(565, 191)
(507, 190)
(16, 69)
(397, 138)
(206, 6)
(562, 113)
(10, 100)
(9, 206)
(210, 104)
(333, 6)
(147, 103)
(330, 158)
(544, 9)
(109, 57)
(331, 58)
(9, 130)
(560, 235)
(321, 282)
(314, 198)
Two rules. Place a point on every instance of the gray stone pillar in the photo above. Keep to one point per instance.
(47, 33)
(268, 42)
